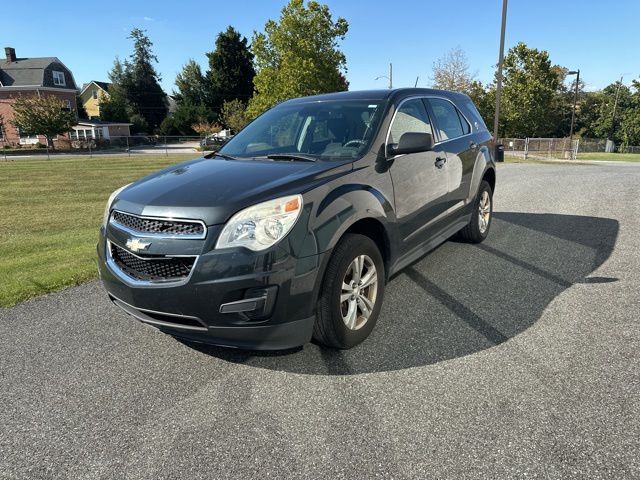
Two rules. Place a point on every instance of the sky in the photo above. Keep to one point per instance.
(600, 38)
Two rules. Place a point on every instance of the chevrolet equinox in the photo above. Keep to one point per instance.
(292, 229)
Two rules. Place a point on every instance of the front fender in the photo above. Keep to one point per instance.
(331, 211)
(482, 164)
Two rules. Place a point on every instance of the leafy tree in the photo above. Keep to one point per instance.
(187, 114)
(298, 55)
(191, 84)
(451, 72)
(206, 128)
(139, 124)
(530, 85)
(230, 75)
(630, 118)
(234, 115)
(45, 115)
(140, 82)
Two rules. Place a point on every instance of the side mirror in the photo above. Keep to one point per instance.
(411, 142)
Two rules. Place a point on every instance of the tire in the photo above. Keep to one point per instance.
(476, 231)
(332, 315)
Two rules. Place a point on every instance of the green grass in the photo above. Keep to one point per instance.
(624, 157)
(50, 214)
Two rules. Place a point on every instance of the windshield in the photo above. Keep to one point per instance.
(337, 129)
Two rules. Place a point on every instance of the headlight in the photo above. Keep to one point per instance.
(262, 225)
(112, 197)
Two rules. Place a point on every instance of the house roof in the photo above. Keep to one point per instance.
(103, 85)
(30, 72)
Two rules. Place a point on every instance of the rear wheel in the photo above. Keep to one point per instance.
(478, 228)
(351, 293)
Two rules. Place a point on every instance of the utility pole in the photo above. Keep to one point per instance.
(615, 105)
(499, 73)
(575, 100)
(390, 75)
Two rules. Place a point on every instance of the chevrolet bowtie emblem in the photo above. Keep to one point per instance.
(136, 245)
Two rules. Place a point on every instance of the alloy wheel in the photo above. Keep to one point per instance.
(484, 211)
(359, 291)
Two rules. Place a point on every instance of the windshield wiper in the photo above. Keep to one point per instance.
(221, 155)
(291, 156)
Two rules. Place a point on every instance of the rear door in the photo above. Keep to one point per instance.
(419, 179)
(454, 133)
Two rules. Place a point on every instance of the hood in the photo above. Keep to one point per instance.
(214, 189)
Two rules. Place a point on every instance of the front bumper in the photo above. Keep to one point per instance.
(233, 297)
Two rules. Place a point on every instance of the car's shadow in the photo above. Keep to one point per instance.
(462, 298)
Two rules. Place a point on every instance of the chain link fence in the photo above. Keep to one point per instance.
(124, 145)
(542, 148)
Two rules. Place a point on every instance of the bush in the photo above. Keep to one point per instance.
(39, 145)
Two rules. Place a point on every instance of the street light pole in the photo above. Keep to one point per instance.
(499, 73)
(390, 77)
(575, 100)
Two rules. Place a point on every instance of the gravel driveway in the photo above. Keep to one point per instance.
(518, 357)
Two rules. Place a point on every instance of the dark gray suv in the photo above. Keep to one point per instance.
(292, 229)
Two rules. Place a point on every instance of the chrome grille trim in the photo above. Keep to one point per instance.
(178, 223)
(136, 282)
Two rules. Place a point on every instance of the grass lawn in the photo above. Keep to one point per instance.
(50, 213)
(624, 157)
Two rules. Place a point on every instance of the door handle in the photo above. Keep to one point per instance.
(440, 161)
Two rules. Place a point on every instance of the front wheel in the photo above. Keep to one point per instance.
(351, 293)
(478, 228)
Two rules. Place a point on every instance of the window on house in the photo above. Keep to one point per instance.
(27, 139)
(58, 79)
(67, 104)
(73, 135)
(94, 94)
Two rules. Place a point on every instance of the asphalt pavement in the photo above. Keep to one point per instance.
(517, 358)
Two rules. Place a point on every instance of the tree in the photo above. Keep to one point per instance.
(82, 113)
(187, 114)
(529, 88)
(140, 83)
(206, 128)
(230, 75)
(191, 84)
(451, 72)
(234, 115)
(298, 55)
(45, 115)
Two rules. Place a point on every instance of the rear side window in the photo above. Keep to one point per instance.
(447, 119)
(410, 117)
(476, 118)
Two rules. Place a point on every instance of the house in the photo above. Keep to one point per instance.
(99, 130)
(91, 95)
(31, 76)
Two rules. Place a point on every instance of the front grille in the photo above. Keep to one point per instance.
(158, 226)
(152, 268)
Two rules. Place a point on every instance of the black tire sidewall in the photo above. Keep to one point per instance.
(353, 246)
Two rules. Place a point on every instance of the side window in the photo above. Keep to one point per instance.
(476, 118)
(466, 128)
(446, 119)
(410, 117)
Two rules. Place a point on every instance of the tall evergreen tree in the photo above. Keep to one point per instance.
(141, 83)
(231, 72)
(191, 84)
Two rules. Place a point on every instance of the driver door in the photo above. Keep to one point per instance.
(419, 179)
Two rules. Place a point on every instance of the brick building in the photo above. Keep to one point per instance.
(31, 76)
